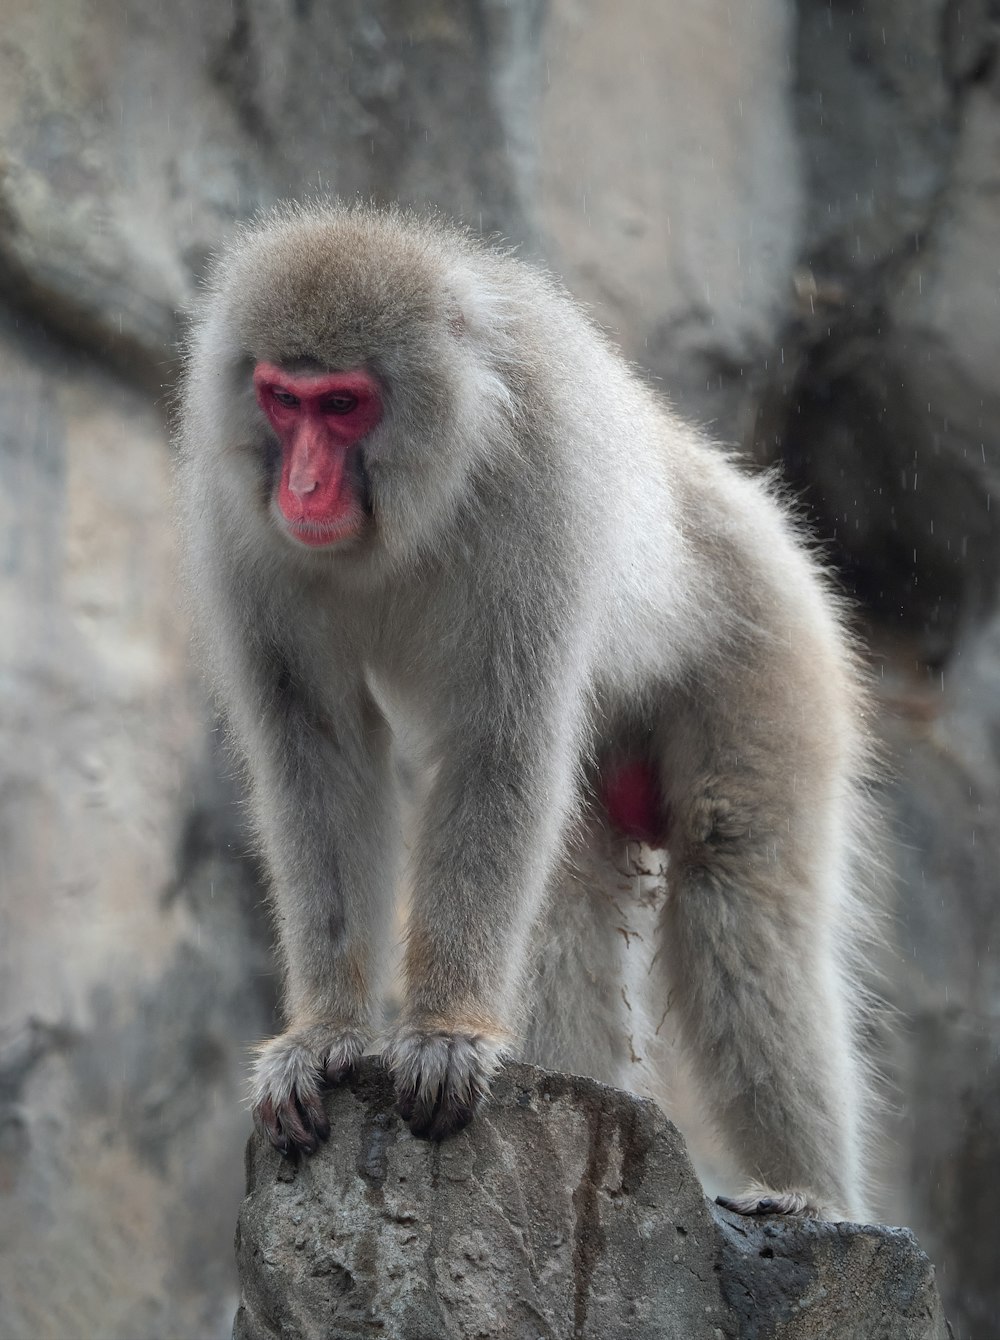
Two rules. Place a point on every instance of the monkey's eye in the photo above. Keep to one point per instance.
(285, 398)
(339, 404)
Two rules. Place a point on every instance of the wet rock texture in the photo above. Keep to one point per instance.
(567, 1210)
(785, 212)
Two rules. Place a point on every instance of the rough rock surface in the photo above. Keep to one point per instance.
(567, 1209)
(130, 974)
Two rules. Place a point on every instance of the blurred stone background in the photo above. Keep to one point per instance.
(787, 213)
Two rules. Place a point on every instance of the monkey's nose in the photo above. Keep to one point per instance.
(302, 482)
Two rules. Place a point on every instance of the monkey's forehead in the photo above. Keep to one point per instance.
(332, 283)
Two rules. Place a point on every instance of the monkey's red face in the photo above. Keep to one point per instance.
(320, 422)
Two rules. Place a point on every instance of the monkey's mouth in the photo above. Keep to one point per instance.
(351, 520)
(324, 534)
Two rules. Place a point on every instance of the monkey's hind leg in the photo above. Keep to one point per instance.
(587, 1003)
(752, 941)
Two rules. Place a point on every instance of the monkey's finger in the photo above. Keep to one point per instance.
(422, 1109)
(452, 1113)
(290, 1130)
(463, 1090)
(266, 1120)
(791, 1202)
(296, 1128)
(437, 1113)
(737, 1204)
(313, 1113)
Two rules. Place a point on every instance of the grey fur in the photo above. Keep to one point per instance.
(559, 571)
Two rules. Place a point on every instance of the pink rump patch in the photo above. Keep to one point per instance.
(631, 795)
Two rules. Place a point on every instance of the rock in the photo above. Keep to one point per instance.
(133, 967)
(567, 1209)
(675, 212)
(884, 416)
(132, 139)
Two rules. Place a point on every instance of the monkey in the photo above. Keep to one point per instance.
(429, 508)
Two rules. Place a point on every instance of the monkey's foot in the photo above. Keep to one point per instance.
(289, 1075)
(758, 1200)
(441, 1077)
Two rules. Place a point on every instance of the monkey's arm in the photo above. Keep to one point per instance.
(323, 802)
(492, 828)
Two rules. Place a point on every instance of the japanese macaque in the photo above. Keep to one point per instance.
(427, 505)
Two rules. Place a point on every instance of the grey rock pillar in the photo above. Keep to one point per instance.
(567, 1209)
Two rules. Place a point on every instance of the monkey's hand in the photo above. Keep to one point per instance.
(442, 1075)
(758, 1200)
(289, 1075)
